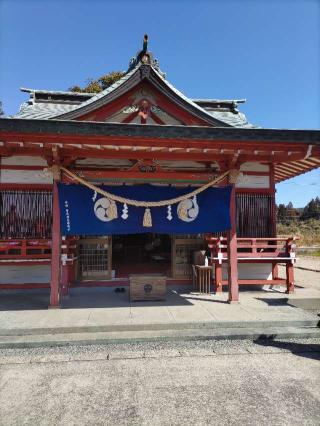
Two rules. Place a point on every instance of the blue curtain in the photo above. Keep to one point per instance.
(84, 212)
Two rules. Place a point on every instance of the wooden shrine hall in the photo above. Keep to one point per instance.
(147, 158)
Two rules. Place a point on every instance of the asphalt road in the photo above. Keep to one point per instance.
(189, 383)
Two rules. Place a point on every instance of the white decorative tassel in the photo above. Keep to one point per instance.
(147, 218)
(125, 212)
(169, 213)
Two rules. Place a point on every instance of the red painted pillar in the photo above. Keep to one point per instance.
(275, 271)
(289, 265)
(65, 279)
(232, 252)
(290, 277)
(55, 250)
(273, 207)
(218, 277)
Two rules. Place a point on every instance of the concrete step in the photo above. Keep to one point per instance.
(312, 321)
(135, 336)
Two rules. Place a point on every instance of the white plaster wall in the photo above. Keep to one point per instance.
(20, 160)
(250, 271)
(252, 181)
(25, 176)
(252, 166)
(21, 274)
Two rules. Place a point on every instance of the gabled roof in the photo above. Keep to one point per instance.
(142, 72)
(45, 104)
(58, 93)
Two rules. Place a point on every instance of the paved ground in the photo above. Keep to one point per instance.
(308, 262)
(104, 307)
(202, 383)
(271, 382)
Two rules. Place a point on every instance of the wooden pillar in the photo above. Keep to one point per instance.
(55, 248)
(289, 277)
(273, 207)
(232, 252)
(275, 271)
(218, 277)
(289, 265)
(65, 280)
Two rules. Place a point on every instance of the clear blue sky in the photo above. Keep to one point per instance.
(267, 51)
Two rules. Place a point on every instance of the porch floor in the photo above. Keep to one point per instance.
(22, 310)
(103, 307)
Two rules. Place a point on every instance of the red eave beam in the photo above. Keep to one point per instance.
(144, 154)
(159, 142)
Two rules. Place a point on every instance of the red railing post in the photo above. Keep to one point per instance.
(55, 249)
(275, 270)
(289, 266)
(232, 252)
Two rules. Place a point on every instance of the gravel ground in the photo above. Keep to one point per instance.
(303, 278)
(158, 349)
(238, 382)
(308, 262)
(189, 383)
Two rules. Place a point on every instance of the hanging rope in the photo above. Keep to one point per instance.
(146, 204)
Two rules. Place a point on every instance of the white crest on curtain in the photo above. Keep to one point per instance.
(104, 209)
(188, 210)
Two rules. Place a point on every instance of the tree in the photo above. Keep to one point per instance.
(1, 110)
(282, 212)
(286, 213)
(312, 209)
(100, 84)
(291, 212)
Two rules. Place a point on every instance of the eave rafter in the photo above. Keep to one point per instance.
(287, 170)
(165, 150)
(291, 152)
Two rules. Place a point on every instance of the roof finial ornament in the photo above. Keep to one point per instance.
(144, 57)
(145, 43)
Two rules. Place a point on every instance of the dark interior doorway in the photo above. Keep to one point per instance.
(141, 254)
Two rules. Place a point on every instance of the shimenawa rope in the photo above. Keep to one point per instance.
(137, 203)
(147, 219)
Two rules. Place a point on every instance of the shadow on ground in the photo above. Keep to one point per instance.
(310, 304)
(22, 300)
(305, 350)
(104, 298)
(84, 298)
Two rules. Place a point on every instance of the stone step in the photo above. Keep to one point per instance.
(312, 321)
(135, 336)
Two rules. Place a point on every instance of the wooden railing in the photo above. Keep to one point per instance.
(33, 250)
(38, 252)
(25, 249)
(255, 250)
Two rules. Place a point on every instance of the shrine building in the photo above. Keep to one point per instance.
(139, 179)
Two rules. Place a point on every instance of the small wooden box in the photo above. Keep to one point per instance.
(147, 287)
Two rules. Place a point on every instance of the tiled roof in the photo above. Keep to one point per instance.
(42, 110)
(108, 90)
(234, 119)
(56, 92)
(47, 110)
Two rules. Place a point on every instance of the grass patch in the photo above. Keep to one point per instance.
(313, 253)
(308, 231)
